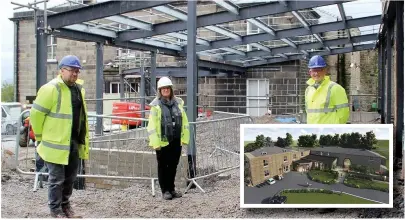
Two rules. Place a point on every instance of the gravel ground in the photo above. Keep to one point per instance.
(221, 199)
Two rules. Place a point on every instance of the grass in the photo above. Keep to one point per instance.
(383, 149)
(367, 184)
(321, 175)
(323, 198)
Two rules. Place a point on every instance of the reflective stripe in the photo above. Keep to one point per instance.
(321, 110)
(346, 105)
(40, 108)
(154, 113)
(56, 146)
(38, 135)
(328, 95)
(152, 132)
(60, 115)
(59, 95)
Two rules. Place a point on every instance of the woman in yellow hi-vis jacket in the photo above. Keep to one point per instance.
(325, 101)
(168, 130)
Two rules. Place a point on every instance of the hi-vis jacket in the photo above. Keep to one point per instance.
(51, 119)
(154, 128)
(327, 104)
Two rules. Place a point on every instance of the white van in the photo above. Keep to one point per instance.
(10, 112)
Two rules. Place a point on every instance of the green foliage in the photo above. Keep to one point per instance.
(288, 140)
(308, 141)
(349, 140)
(323, 176)
(361, 183)
(267, 141)
(284, 142)
(260, 140)
(7, 92)
(280, 142)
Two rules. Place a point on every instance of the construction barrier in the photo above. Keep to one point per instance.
(118, 154)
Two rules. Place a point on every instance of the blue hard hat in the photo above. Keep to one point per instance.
(316, 62)
(71, 61)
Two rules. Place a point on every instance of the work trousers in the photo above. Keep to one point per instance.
(61, 178)
(167, 159)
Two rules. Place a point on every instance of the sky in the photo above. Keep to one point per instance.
(251, 133)
(354, 9)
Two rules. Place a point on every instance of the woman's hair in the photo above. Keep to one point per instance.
(159, 94)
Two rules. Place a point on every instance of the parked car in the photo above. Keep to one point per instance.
(275, 200)
(271, 181)
(10, 112)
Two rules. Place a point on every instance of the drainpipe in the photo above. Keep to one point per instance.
(16, 61)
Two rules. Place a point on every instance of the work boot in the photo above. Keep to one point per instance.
(167, 196)
(176, 194)
(67, 209)
(57, 214)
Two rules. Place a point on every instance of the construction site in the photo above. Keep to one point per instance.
(232, 62)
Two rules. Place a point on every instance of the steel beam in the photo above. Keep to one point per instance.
(229, 7)
(99, 87)
(301, 47)
(399, 77)
(173, 12)
(389, 74)
(98, 11)
(139, 46)
(261, 47)
(262, 26)
(224, 17)
(315, 29)
(322, 53)
(220, 66)
(41, 38)
(224, 32)
(177, 72)
(192, 83)
(184, 37)
(343, 15)
(153, 73)
(383, 80)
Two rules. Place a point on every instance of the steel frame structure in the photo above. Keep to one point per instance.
(393, 14)
(78, 24)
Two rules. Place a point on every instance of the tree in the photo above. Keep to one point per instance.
(267, 141)
(280, 142)
(7, 92)
(344, 140)
(370, 140)
(336, 140)
(259, 140)
(251, 147)
(307, 141)
(322, 140)
(288, 140)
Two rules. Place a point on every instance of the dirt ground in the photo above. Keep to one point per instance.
(221, 200)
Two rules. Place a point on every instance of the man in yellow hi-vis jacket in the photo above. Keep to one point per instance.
(325, 101)
(59, 122)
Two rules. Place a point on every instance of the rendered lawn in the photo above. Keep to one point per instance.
(323, 198)
(383, 149)
(321, 175)
(367, 184)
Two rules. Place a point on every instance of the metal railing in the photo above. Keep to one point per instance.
(121, 154)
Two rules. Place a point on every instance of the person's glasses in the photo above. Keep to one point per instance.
(72, 70)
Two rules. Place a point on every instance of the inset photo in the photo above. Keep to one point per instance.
(313, 166)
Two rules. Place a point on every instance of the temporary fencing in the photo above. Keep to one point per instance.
(119, 153)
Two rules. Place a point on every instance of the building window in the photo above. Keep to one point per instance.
(265, 162)
(113, 87)
(285, 158)
(294, 156)
(302, 154)
(51, 47)
(134, 87)
(371, 158)
(266, 173)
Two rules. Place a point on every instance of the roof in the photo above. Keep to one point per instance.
(311, 157)
(269, 151)
(351, 151)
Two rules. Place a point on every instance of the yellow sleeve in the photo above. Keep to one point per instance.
(154, 140)
(341, 103)
(41, 108)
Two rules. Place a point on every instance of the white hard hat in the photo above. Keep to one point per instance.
(163, 82)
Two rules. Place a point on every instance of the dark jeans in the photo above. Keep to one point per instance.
(61, 178)
(167, 159)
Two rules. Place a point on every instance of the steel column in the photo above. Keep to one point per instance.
(191, 82)
(399, 77)
(16, 60)
(389, 74)
(122, 85)
(380, 75)
(383, 78)
(41, 53)
(153, 73)
(99, 87)
(142, 91)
